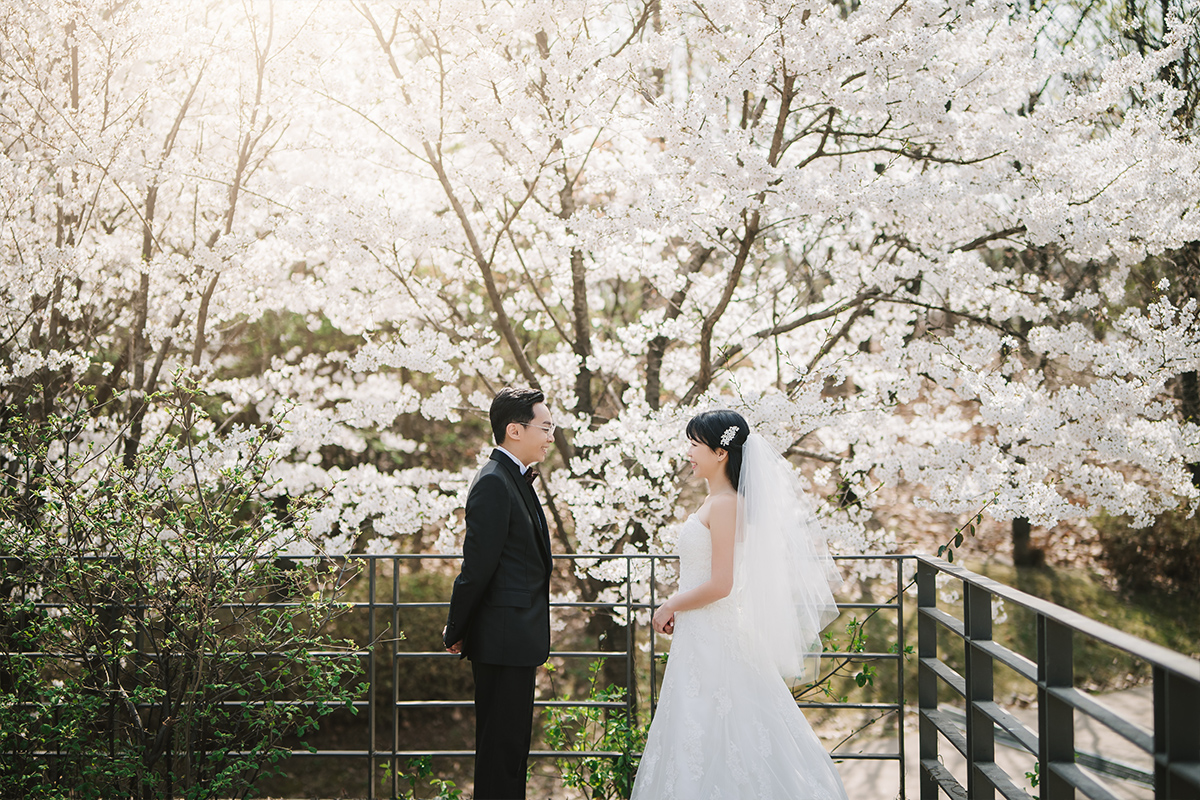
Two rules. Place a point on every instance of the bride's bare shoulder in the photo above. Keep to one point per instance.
(725, 502)
(722, 512)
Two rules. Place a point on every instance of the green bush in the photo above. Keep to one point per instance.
(154, 643)
(584, 729)
(1164, 557)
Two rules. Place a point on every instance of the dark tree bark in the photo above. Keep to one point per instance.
(1024, 554)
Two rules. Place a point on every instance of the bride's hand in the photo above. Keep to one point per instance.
(664, 619)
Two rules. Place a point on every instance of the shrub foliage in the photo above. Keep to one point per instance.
(1163, 557)
(155, 640)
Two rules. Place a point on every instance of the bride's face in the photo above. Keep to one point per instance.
(705, 461)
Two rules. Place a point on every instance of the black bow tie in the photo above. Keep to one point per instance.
(531, 475)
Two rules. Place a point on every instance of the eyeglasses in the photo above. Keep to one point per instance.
(546, 429)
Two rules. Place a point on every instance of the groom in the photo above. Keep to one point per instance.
(500, 608)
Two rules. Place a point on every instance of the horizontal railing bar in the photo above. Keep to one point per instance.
(1076, 777)
(538, 703)
(387, 605)
(470, 703)
(151, 655)
(1187, 770)
(836, 756)
(1147, 651)
(236, 703)
(945, 620)
(952, 679)
(864, 706)
(1001, 780)
(1016, 729)
(589, 653)
(380, 755)
(387, 755)
(330, 703)
(553, 653)
(435, 654)
(1115, 769)
(379, 605)
(872, 656)
(942, 777)
(624, 654)
(457, 556)
(945, 726)
(1013, 660)
(1140, 737)
(874, 557)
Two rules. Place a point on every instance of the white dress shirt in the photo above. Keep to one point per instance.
(516, 460)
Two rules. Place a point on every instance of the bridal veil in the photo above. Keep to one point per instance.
(783, 575)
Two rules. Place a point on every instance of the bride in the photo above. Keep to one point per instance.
(754, 578)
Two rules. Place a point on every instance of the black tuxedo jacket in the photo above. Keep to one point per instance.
(500, 607)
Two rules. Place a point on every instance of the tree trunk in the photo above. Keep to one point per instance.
(1024, 555)
(1189, 394)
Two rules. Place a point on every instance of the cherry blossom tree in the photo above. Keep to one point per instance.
(899, 236)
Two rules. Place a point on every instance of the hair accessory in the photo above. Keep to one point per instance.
(728, 435)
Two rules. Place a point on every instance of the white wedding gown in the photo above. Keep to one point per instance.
(726, 726)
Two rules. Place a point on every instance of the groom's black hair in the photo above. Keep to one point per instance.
(710, 427)
(512, 404)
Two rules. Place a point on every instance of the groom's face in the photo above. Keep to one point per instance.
(530, 442)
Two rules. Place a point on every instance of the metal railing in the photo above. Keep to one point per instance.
(635, 632)
(1173, 744)
(372, 744)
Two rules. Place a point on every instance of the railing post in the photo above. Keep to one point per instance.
(394, 659)
(927, 682)
(653, 654)
(1056, 718)
(981, 746)
(1176, 733)
(900, 670)
(630, 648)
(371, 680)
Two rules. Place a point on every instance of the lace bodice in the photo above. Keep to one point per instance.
(695, 561)
(695, 553)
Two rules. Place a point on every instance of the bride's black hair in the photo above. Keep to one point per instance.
(712, 429)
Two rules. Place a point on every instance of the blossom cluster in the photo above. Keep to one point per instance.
(903, 240)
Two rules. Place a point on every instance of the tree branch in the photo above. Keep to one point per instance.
(989, 237)
(658, 345)
(816, 316)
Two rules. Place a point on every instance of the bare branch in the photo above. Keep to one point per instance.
(647, 9)
(989, 237)
(658, 345)
(816, 316)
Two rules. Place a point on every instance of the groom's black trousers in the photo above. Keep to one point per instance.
(503, 729)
